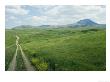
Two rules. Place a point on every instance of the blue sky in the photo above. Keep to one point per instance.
(36, 15)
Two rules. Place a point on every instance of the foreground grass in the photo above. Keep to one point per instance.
(9, 53)
(20, 66)
(65, 48)
(10, 47)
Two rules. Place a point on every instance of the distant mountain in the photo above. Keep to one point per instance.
(86, 22)
(45, 26)
(83, 23)
(24, 27)
(80, 23)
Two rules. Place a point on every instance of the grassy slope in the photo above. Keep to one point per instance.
(65, 48)
(9, 47)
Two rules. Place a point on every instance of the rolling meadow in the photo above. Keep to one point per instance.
(58, 49)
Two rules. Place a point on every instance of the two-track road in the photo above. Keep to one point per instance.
(12, 66)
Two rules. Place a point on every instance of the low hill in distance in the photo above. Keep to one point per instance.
(80, 23)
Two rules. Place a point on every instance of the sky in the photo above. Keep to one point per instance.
(37, 15)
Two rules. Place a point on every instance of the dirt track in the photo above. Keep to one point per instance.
(12, 65)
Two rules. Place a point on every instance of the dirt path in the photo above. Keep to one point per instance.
(12, 65)
(28, 65)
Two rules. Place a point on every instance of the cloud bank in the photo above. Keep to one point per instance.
(53, 15)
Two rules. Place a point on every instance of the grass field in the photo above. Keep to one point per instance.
(59, 49)
(20, 63)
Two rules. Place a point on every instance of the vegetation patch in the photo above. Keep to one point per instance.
(62, 49)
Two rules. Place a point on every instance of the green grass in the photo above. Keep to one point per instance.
(20, 66)
(82, 49)
(10, 47)
(9, 53)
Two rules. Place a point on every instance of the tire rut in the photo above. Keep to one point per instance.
(12, 65)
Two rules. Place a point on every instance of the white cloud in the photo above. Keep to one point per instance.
(43, 7)
(54, 15)
(18, 10)
(38, 18)
(76, 13)
(70, 14)
(12, 17)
